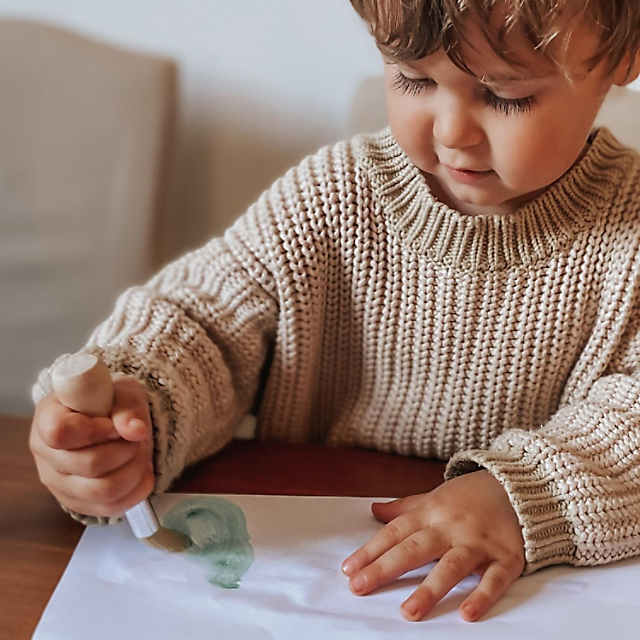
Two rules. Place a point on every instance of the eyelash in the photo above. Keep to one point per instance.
(508, 106)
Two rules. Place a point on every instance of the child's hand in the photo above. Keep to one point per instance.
(467, 522)
(96, 466)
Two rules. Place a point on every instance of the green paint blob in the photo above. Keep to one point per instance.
(218, 532)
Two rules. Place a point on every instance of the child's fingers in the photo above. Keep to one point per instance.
(389, 536)
(95, 461)
(60, 428)
(494, 583)
(109, 495)
(455, 565)
(414, 551)
(387, 511)
(130, 412)
(140, 492)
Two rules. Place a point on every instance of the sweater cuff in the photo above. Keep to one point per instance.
(518, 463)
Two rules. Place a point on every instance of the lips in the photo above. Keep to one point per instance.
(467, 176)
(465, 170)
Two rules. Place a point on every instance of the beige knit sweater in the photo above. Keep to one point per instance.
(349, 306)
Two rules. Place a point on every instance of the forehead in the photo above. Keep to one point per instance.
(495, 54)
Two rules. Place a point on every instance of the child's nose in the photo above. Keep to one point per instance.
(454, 126)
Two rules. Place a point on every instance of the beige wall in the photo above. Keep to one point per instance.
(262, 84)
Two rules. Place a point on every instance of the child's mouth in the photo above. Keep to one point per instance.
(467, 176)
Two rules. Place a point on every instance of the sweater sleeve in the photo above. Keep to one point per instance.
(575, 482)
(198, 335)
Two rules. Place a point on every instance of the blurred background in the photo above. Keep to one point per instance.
(216, 99)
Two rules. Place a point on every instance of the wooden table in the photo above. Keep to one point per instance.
(37, 538)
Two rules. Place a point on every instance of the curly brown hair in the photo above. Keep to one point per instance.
(413, 29)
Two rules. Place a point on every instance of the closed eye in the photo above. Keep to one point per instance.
(507, 106)
(411, 86)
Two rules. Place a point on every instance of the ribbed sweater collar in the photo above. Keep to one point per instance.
(536, 230)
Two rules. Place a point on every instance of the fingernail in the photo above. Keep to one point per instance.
(347, 567)
(410, 608)
(470, 612)
(358, 583)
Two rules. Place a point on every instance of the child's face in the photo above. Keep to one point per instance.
(488, 147)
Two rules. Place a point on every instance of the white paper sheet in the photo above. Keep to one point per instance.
(117, 587)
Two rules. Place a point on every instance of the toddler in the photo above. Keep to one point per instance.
(464, 284)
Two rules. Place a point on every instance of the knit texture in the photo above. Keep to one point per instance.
(348, 306)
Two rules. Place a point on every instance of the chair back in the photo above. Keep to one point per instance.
(86, 137)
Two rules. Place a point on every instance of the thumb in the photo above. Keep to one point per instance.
(387, 511)
(130, 413)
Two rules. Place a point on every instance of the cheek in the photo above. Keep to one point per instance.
(524, 161)
(532, 157)
(412, 129)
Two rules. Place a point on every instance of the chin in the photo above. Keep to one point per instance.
(482, 205)
(479, 200)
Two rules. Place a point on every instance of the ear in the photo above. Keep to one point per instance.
(626, 73)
